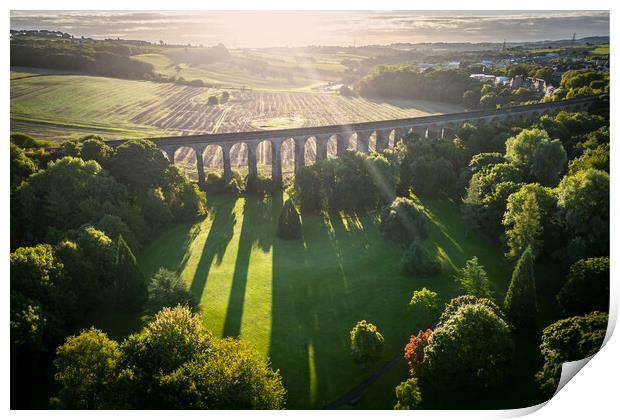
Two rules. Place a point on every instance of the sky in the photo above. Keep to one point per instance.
(258, 29)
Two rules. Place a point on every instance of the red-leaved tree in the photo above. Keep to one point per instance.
(414, 350)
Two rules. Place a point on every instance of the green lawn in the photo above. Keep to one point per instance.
(296, 301)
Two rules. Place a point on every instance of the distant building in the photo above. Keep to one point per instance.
(483, 77)
(516, 82)
(502, 80)
(453, 65)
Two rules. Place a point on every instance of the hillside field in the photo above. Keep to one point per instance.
(61, 107)
(296, 301)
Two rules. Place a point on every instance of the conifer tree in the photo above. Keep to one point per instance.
(520, 301)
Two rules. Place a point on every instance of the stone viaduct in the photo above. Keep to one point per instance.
(433, 126)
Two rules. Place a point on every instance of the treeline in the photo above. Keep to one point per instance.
(77, 220)
(100, 58)
(406, 82)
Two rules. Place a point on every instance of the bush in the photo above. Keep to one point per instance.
(424, 298)
(586, 288)
(418, 262)
(259, 185)
(167, 290)
(289, 223)
(403, 222)
(366, 342)
(408, 395)
(214, 183)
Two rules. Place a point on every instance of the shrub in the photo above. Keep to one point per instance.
(403, 222)
(366, 342)
(408, 395)
(586, 288)
(418, 262)
(214, 183)
(259, 185)
(289, 223)
(167, 290)
(424, 298)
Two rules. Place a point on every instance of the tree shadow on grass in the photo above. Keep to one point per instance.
(257, 228)
(220, 234)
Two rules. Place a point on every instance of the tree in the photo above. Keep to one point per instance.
(130, 286)
(530, 220)
(586, 288)
(403, 221)
(88, 368)
(414, 351)
(471, 99)
(488, 101)
(27, 326)
(408, 396)
(595, 158)
(232, 375)
(167, 290)
(568, 340)
(540, 158)
(289, 223)
(473, 344)
(520, 301)
(138, 164)
(68, 194)
(366, 342)
(453, 306)
(173, 337)
(549, 162)
(21, 166)
(36, 272)
(417, 261)
(583, 212)
(95, 149)
(473, 279)
(487, 194)
(526, 227)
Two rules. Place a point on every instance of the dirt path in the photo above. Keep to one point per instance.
(355, 394)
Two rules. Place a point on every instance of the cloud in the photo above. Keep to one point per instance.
(266, 28)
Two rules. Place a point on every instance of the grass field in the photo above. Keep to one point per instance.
(60, 107)
(602, 49)
(296, 301)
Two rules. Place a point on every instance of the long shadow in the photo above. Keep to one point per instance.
(290, 344)
(220, 234)
(257, 222)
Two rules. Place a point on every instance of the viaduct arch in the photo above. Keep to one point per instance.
(436, 126)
